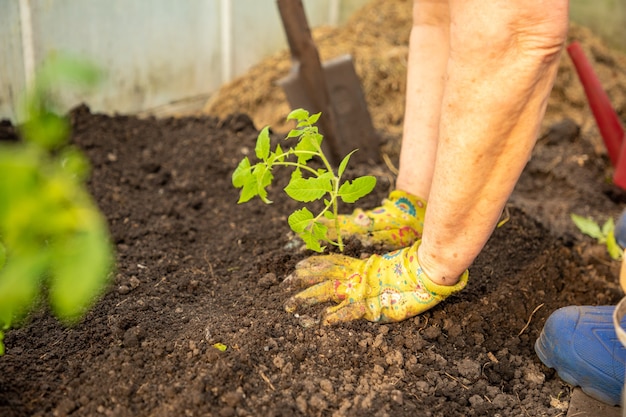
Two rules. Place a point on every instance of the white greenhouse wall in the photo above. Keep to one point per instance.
(157, 53)
(606, 18)
(154, 53)
(11, 59)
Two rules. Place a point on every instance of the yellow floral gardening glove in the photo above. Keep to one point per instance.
(386, 288)
(397, 223)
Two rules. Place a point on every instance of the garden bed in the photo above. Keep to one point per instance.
(195, 269)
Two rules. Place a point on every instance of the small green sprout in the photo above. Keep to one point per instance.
(307, 184)
(605, 235)
(220, 346)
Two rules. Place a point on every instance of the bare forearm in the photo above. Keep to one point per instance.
(429, 43)
(491, 112)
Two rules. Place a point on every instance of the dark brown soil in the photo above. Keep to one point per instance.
(195, 269)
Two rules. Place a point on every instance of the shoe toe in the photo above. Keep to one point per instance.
(555, 342)
(581, 344)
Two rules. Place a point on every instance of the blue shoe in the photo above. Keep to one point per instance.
(581, 344)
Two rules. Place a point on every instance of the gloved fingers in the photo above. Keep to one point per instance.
(392, 238)
(394, 306)
(345, 311)
(389, 306)
(396, 215)
(351, 289)
(398, 303)
(321, 263)
(320, 293)
(316, 269)
(383, 288)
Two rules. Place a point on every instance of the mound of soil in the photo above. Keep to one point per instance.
(194, 269)
(377, 38)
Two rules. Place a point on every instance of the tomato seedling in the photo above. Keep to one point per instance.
(605, 235)
(307, 184)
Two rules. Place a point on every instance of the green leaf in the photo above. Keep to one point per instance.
(63, 68)
(308, 189)
(352, 191)
(607, 227)
(298, 114)
(279, 154)
(241, 175)
(305, 150)
(311, 232)
(588, 226)
(80, 268)
(314, 139)
(344, 164)
(296, 174)
(320, 230)
(314, 118)
(264, 177)
(249, 190)
(44, 125)
(74, 163)
(294, 133)
(615, 251)
(300, 219)
(311, 242)
(3, 255)
(262, 147)
(46, 129)
(20, 280)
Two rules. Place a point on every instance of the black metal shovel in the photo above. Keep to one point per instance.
(332, 88)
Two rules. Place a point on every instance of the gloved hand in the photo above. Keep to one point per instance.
(386, 288)
(397, 223)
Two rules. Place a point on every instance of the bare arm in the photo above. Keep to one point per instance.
(503, 60)
(429, 47)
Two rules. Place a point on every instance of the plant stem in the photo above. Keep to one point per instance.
(336, 214)
(297, 165)
(333, 197)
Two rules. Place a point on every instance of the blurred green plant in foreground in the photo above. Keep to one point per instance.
(54, 242)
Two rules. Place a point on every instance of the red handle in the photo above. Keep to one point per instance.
(606, 118)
